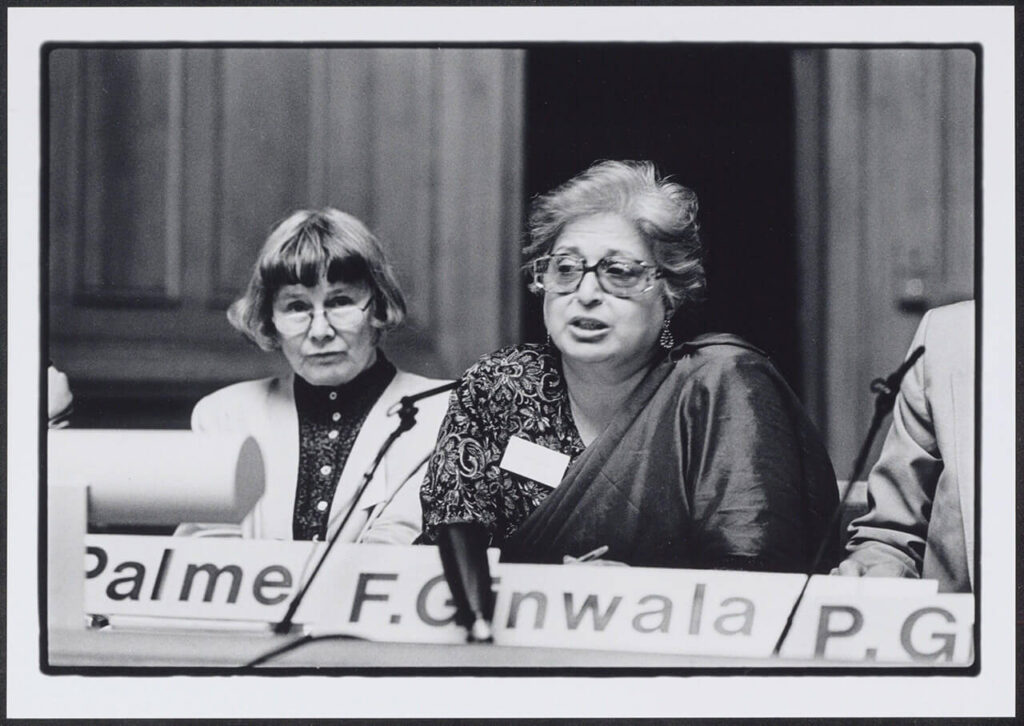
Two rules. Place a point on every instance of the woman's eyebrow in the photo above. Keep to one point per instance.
(290, 295)
(607, 253)
(622, 253)
(342, 289)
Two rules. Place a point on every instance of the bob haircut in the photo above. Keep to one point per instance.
(663, 212)
(309, 246)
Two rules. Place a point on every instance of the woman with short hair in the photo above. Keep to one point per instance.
(324, 295)
(610, 437)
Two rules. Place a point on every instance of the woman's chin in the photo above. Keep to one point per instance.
(328, 375)
(601, 352)
(586, 351)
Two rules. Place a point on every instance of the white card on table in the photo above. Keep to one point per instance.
(534, 461)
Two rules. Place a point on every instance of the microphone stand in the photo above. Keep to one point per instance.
(306, 639)
(885, 390)
(407, 411)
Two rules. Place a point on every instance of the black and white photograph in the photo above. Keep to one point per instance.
(510, 362)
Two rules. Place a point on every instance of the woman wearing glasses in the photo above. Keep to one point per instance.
(324, 295)
(612, 439)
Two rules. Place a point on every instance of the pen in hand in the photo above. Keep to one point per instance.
(592, 555)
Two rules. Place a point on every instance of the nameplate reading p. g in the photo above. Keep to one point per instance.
(534, 461)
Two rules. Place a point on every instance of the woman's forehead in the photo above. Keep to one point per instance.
(324, 287)
(601, 235)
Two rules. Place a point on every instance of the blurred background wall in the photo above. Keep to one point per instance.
(836, 186)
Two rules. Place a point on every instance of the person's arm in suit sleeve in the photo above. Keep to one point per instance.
(889, 540)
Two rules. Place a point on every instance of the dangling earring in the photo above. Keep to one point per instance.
(547, 339)
(666, 340)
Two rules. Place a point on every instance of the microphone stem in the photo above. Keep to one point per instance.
(407, 416)
(886, 391)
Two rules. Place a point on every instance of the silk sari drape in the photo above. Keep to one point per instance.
(713, 464)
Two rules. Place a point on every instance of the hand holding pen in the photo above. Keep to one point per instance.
(592, 558)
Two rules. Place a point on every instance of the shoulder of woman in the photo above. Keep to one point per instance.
(518, 359)
(238, 397)
(407, 382)
(718, 356)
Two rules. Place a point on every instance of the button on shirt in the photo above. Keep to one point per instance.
(330, 418)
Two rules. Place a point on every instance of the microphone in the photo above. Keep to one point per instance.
(406, 409)
(463, 549)
(885, 390)
(889, 387)
(306, 639)
(406, 401)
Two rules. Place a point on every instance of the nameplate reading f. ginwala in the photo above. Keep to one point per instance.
(394, 593)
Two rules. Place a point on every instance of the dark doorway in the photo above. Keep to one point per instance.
(719, 119)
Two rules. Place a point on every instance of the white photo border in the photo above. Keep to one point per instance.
(31, 694)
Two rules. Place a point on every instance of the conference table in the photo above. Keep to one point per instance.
(180, 603)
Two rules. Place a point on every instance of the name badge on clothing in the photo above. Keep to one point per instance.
(534, 461)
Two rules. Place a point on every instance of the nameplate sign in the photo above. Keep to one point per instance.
(699, 612)
(865, 620)
(399, 594)
(380, 592)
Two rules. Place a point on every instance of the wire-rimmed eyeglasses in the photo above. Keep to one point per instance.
(297, 316)
(618, 276)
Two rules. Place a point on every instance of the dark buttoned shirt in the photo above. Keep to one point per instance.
(330, 418)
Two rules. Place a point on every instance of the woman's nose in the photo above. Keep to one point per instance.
(319, 326)
(589, 290)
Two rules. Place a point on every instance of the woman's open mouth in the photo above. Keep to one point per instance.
(588, 328)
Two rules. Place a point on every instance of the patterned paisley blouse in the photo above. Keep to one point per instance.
(515, 391)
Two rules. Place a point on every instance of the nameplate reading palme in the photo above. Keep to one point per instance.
(399, 594)
(534, 461)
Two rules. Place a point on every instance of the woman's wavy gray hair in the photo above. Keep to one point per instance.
(309, 246)
(663, 212)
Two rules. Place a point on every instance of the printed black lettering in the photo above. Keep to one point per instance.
(101, 561)
(948, 640)
(539, 612)
(421, 604)
(361, 594)
(664, 614)
(213, 574)
(161, 573)
(697, 609)
(135, 580)
(825, 630)
(271, 576)
(747, 615)
(573, 619)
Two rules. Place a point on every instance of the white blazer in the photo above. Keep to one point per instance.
(389, 509)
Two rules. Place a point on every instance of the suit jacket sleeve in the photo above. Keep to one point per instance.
(901, 486)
